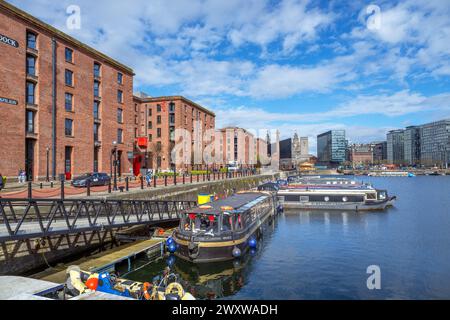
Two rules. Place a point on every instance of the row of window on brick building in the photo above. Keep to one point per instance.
(32, 82)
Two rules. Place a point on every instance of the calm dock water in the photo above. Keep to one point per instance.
(325, 255)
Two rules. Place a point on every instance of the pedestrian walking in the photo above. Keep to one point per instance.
(21, 176)
(148, 177)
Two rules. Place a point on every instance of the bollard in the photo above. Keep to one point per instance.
(88, 186)
(62, 189)
(142, 182)
(30, 190)
(51, 184)
(40, 185)
(126, 184)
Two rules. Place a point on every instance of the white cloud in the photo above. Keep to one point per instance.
(280, 81)
(398, 104)
(416, 34)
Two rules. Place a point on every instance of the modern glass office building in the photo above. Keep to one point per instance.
(395, 146)
(379, 151)
(435, 143)
(411, 142)
(331, 147)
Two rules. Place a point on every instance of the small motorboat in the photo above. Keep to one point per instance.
(164, 288)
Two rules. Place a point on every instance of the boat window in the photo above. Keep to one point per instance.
(382, 195)
(291, 197)
(238, 222)
(345, 199)
(204, 223)
(188, 221)
(227, 222)
(254, 212)
(372, 196)
(326, 199)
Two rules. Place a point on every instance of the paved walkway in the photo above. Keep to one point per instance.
(20, 191)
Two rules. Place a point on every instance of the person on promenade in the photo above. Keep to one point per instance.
(24, 176)
(21, 176)
(148, 177)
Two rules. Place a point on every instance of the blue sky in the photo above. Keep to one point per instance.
(293, 65)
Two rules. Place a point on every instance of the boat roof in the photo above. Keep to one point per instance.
(237, 202)
(329, 187)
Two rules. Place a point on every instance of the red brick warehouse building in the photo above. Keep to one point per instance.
(62, 103)
(157, 119)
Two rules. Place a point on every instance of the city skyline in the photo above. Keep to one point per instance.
(329, 72)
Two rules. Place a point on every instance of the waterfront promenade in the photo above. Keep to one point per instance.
(55, 189)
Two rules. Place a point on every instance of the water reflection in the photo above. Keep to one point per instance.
(214, 280)
(327, 217)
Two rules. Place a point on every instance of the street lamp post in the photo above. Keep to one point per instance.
(47, 178)
(115, 164)
(174, 168)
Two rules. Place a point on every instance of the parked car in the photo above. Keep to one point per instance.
(95, 179)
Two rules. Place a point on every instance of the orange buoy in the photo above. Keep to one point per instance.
(145, 289)
(92, 283)
(161, 231)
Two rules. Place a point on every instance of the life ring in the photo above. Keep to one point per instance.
(145, 290)
(161, 231)
(174, 286)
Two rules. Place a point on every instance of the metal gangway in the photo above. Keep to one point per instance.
(22, 219)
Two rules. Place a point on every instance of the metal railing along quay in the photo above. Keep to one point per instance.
(62, 188)
(37, 218)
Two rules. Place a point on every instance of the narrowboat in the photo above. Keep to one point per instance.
(224, 229)
(343, 197)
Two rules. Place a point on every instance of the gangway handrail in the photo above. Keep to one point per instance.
(36, 218)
